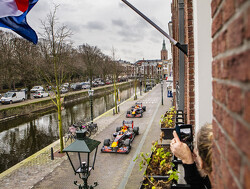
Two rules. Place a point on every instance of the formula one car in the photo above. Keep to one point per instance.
(122, 138)
(136, 111)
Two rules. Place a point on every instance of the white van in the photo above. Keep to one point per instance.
(13, 96)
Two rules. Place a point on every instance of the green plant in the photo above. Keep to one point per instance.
(167, 119)
(160, 163)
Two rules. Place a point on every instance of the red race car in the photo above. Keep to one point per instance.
(122, 138)
(136, 111)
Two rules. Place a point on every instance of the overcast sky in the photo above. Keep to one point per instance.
(110, 23)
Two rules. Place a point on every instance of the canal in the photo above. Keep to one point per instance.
(25, 136)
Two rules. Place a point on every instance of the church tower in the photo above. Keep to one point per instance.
(164, 52)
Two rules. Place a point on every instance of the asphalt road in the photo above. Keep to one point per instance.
(118, 171)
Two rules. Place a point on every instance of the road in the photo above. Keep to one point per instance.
(117, 171)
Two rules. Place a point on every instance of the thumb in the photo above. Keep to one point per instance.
(176, 137)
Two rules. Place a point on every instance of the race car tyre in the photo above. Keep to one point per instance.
(106, 142)
(136, 130)
(141, 115)
(144, 108)
(127, 142)
(118, 129)
(133, 107)
(128, 112)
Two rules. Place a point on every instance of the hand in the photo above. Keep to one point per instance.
(181, 150)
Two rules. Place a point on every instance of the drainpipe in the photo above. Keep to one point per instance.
(181, 57)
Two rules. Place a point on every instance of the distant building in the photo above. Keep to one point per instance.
(159, 68)
(128, 69)
(164, 52)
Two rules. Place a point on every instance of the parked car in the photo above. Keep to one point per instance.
(76, 86)
(65, 85)
(85, 85)
(101, 83)
(64, 90)
(108, 82)
(40, 94)
(36, 88)
(94, 84)
(25, 90)
(13, 96)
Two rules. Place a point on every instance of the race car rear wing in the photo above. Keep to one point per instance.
(128, 122)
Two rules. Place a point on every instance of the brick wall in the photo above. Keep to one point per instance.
(231, 93)
(189, 63)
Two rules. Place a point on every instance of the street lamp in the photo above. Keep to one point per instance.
(82, 163)
(161, 92)
(91, 93)
(140, 86)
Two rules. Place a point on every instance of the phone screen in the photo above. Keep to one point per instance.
(185, 134)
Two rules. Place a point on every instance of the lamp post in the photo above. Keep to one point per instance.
(140, 85)
(91, 93)
(161, 92)
(82, 163)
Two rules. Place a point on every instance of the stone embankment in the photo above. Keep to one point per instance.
(35, 106)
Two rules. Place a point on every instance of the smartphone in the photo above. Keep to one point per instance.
(185, 134)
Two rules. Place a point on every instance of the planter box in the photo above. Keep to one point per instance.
(143, 185)
(180, 186)
(155, 169)
(168, 133)
(173, 184)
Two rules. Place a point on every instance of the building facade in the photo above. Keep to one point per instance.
(158, 68)
(213, 81)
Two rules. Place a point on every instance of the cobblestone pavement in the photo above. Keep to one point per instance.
(111, 170)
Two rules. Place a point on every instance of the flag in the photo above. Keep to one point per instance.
(13, 16)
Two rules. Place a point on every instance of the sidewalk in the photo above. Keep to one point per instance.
(39, 171)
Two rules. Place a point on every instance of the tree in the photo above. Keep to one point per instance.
(8, 67)
(27, 58)
(115, 77)
(54, 51)
(91, 56)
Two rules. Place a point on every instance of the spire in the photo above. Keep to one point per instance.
(164, 45)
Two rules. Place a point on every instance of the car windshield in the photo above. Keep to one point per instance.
(36, 87)
(8, 94)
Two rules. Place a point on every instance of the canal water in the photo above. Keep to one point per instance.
(23, 137)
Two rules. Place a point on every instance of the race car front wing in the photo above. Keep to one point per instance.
(122, 150)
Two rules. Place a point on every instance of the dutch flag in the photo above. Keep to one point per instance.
(13, 16)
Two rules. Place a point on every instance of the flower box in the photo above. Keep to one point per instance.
(158, 168)
(167, 133)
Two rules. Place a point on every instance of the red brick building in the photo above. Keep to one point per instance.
(217, 33)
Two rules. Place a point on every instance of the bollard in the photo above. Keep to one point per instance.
(52, 154)
(118, 108)
(113, 111)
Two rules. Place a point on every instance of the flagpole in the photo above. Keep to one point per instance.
(182, 47)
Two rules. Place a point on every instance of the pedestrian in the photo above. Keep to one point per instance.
(197, 165)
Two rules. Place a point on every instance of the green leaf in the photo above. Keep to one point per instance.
(148, 160)
(163, 162)
(152, 179)
(136, 158)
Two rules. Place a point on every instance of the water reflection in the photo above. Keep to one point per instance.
(25, 136)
